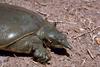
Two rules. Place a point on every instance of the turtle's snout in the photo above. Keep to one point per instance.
(59, 40)
(63, 41)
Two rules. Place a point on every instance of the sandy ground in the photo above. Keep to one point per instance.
(80, 22)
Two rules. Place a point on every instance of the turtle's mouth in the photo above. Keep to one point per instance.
(51, 43)
(59, 43)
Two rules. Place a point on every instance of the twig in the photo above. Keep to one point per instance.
(86, 32)
(83, 62)
(90, 54)
(42, 13)
(15, 55)
(35, 63)
(42, 4)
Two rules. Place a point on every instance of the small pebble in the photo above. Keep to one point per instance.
(97, 40)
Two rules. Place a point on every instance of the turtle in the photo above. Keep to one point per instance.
(25, 31)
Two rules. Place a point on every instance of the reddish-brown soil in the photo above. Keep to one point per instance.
(80, 22)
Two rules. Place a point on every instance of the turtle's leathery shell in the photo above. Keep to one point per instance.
(16, 22)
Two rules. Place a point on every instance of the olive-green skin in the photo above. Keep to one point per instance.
(22, 31)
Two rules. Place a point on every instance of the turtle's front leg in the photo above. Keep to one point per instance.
(40, 53)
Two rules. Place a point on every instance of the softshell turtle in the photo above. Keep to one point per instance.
(24, 31)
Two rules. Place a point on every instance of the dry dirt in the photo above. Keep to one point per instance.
(80, 22)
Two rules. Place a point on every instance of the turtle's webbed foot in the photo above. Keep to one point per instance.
(41, 55)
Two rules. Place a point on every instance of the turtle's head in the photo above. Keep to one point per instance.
(49, 33)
